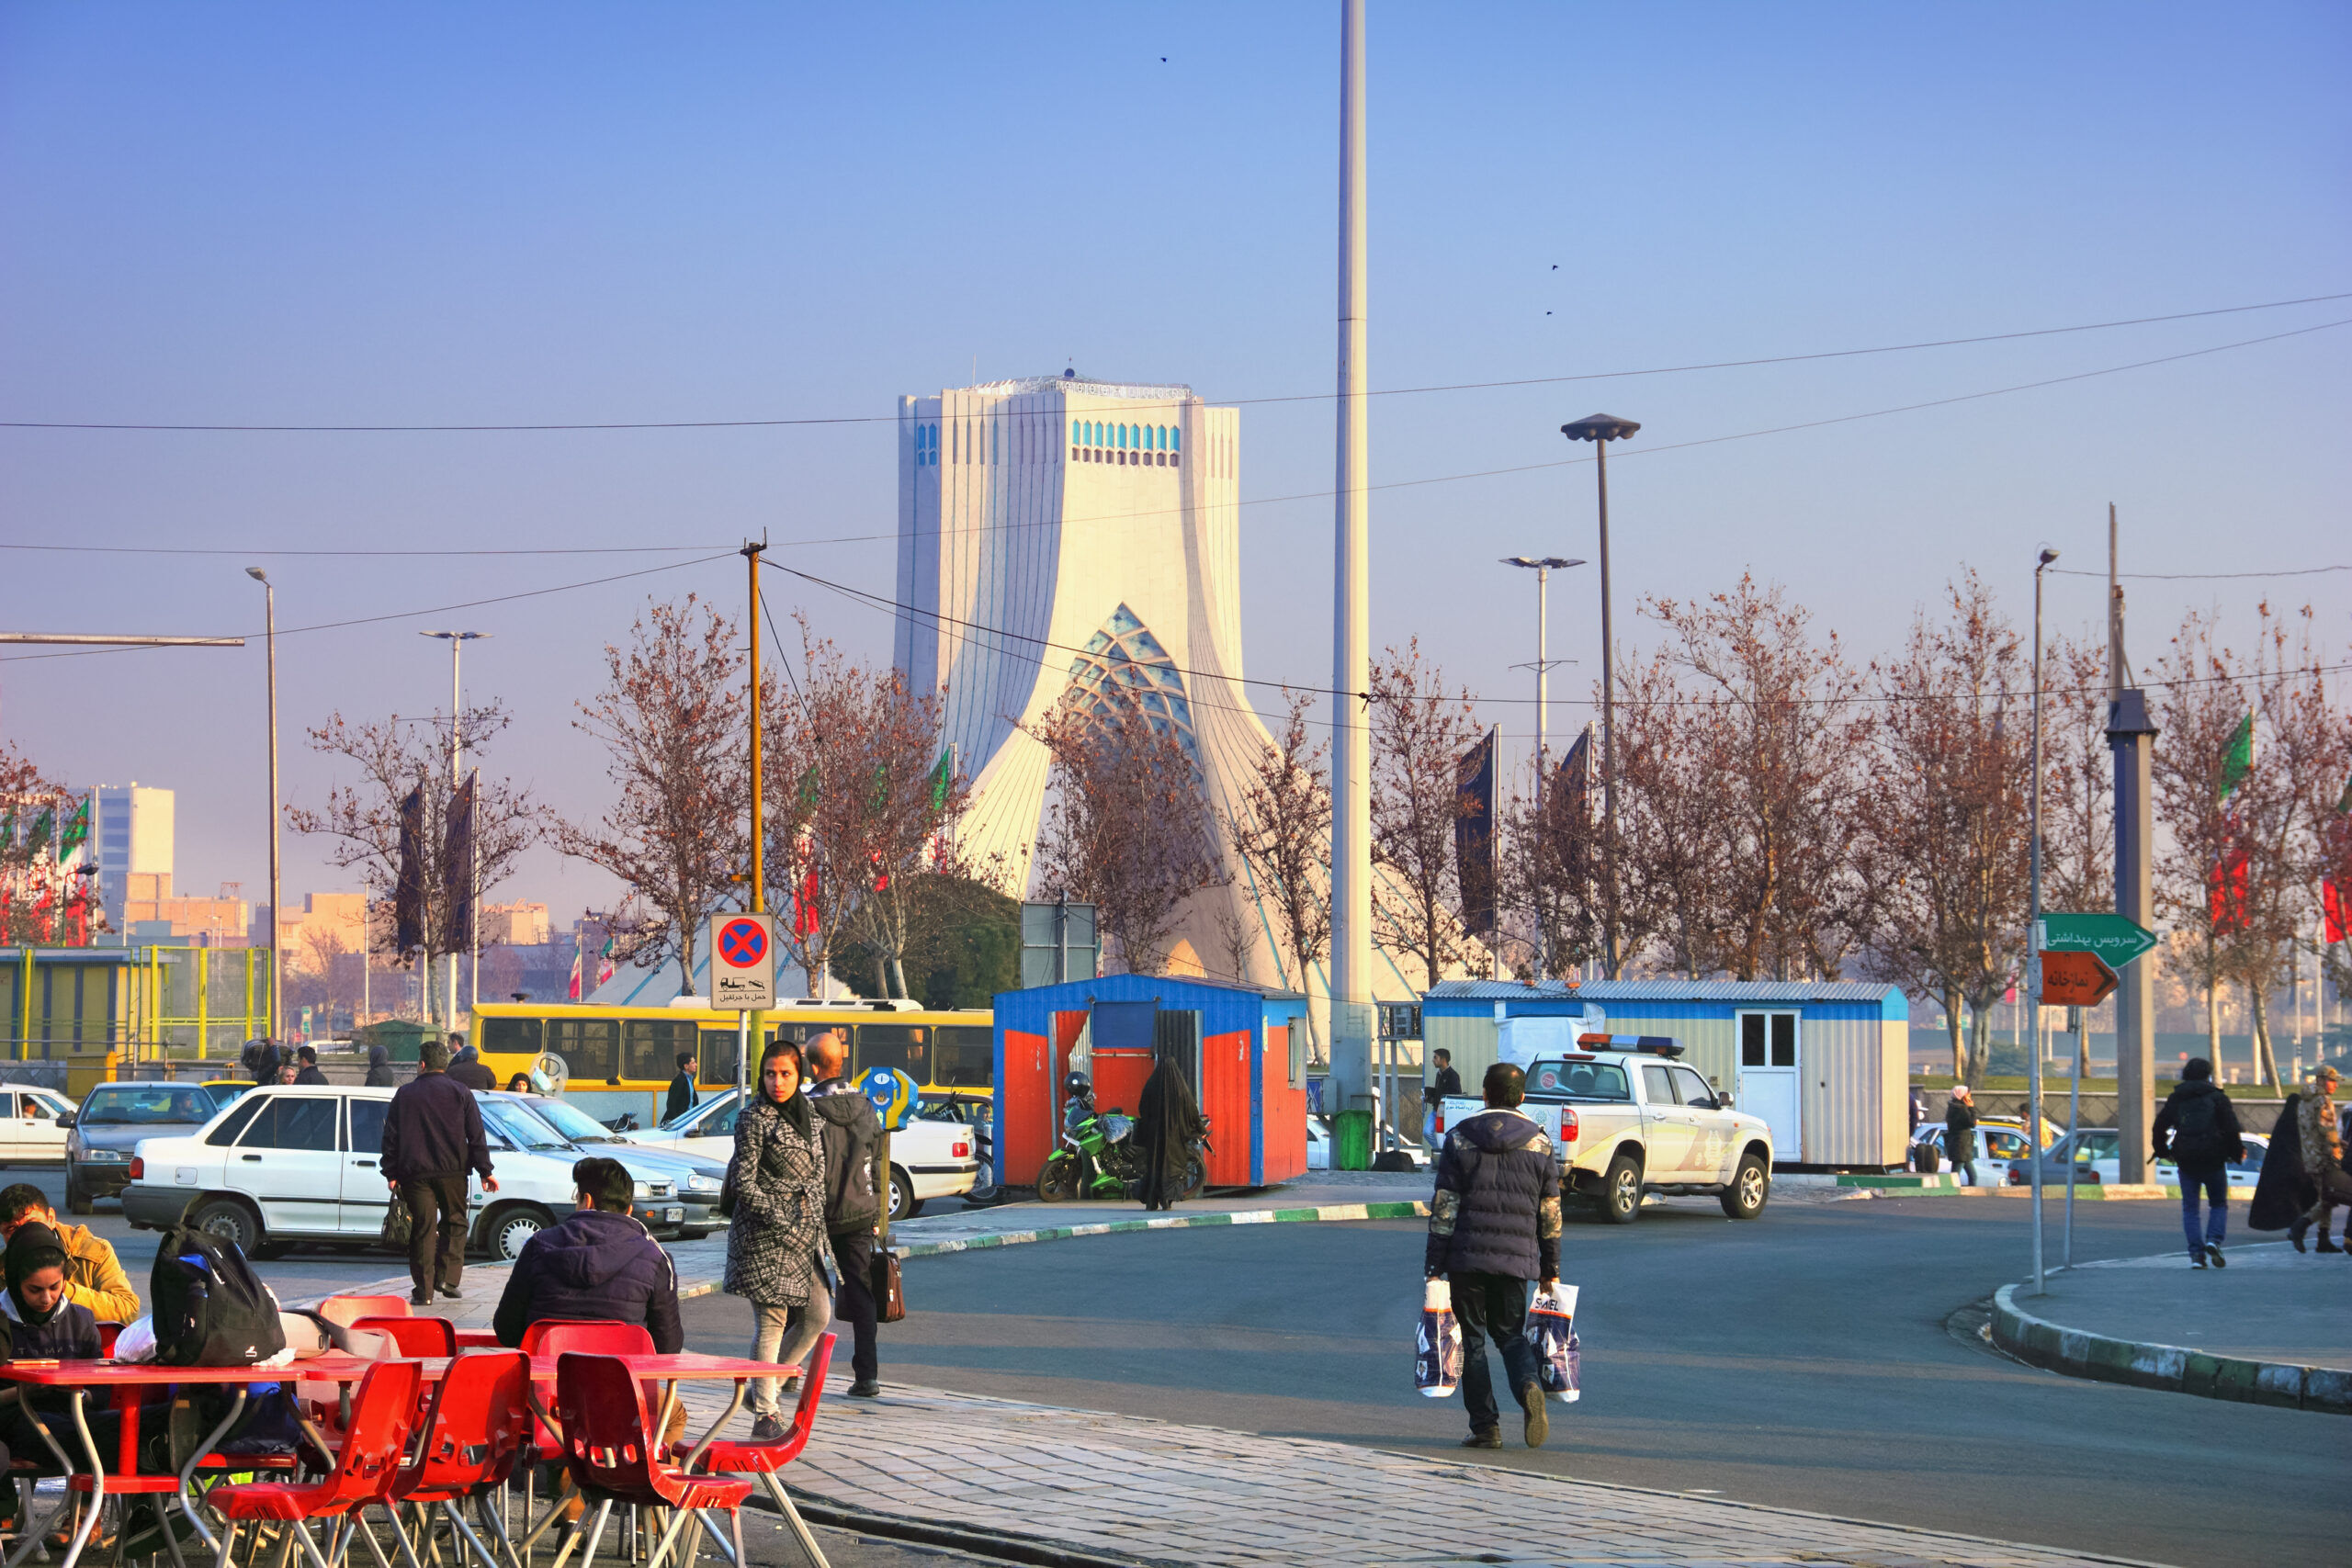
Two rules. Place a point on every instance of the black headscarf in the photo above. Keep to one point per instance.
(34, 1248)
(794, 1108)
(1168, 1117)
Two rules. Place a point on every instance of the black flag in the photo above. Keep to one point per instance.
(1474, 835)
(458, 864)
(408, 892)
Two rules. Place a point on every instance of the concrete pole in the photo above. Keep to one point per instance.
(2033, 939)
(456, 771)
(276, 959)
(751, 1035)
(1351, 1024)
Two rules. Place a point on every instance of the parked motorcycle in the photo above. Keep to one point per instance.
(1196, 1166)
(1097, 1158)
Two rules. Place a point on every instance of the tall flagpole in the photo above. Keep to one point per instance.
(1351, 621)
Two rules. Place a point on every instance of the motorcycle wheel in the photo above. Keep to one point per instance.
(1057, 1183)
(1197, 1176)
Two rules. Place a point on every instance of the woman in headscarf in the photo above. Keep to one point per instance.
(380, 1067)
(776, 1248)
(1168, 1121)
(42, 1324)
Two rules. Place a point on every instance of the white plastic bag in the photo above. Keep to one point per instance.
(1437, 1343)
(1552, 1329)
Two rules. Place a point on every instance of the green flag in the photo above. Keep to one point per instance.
(945, 774)
(2343, 802)
(2238, 761)
(77, 830)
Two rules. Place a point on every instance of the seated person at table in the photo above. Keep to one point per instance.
(42, 1324)
(598, 1265)
(94, 1276)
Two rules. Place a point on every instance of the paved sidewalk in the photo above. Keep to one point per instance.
(1158, 1493)
(2272, 1328)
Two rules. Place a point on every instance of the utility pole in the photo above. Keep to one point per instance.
(277, 964)
(2033, 939)
(1600, 429)
(1350, 622)
(2130, 738)
(748, 1025)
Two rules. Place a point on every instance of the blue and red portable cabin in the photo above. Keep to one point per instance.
(1244, 1048)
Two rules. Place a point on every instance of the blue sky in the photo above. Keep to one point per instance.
(297, 214)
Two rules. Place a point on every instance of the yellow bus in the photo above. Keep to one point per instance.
(622, 1059)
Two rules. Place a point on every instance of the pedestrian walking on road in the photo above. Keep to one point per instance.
(1494, 1227)
(432, 1137)
(775, 1246)
(1444, 1084)
(682, 1089)
(1959, 1134)
(2322, 1151)
(380, 1067)
(1168, 1123)
(307, 1066)
(467, 1066)
(2197, 1129)
(853, 1188)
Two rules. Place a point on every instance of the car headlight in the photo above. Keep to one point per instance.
(704, 1184)
(104, 1156)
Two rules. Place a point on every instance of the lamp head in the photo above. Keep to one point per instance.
(2048, 555)
(1600, 427)
(257, 574)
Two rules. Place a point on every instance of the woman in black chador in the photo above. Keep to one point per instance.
(1168, 1121)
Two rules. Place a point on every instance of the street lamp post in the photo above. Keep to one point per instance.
(276, 959)
(2033, 941)
(457, 758)
(1542, 567)
(1600, 429)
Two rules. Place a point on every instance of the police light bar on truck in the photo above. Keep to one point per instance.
(1649, 1044)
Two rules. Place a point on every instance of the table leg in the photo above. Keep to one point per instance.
(792, 1517)
(98, 1486)
(35, 1534)
(742, 1386)
(187, 1470)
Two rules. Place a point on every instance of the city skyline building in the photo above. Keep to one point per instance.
(131, 832)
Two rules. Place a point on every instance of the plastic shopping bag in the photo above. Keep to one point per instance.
(1552, 1329)
(1437, 1343)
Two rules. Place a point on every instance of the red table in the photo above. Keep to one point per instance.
(126, 1379)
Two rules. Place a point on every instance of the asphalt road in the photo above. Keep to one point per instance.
(1803, 1360)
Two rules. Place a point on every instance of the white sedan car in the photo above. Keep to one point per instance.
(29, 1131)
(928, 1159)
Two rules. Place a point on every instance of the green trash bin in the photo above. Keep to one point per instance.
(1351, 1141)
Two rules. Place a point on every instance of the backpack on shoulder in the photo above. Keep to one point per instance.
(2196, 1132)
(210, 1308)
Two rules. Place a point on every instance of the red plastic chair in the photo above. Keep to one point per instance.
(414, 1336)
(381, 1414)
(348, 1310)
(566, 1337)
(473, 1438)
(763, 1459)
(609, 1449)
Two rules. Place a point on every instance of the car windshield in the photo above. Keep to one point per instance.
(116, 1105)
(693, 1113)
(519, 1127)
(225, 1095)
(570, 1120)
(1578, 1080)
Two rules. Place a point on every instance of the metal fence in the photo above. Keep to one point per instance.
(145, 1003)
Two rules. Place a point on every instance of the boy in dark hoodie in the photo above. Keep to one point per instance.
(598, 1265)
(2198, 1130)
(852, 1135)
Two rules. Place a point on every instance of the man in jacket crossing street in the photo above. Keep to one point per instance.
(432, 1137)
(1494, 1226)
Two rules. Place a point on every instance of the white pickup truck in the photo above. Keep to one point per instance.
(1626, 1118)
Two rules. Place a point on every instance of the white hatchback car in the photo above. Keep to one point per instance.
(296, 1163)
(928, 1159)
(29, 1131)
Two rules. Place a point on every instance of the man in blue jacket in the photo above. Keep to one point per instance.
(1494, 1226)
(598, 1265)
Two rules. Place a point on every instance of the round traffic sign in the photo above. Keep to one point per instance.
(743, 944)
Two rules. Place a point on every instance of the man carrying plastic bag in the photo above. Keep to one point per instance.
(1494, 1227)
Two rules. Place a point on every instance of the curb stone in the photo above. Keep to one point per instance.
(1399, 1211)
(2172, 1368)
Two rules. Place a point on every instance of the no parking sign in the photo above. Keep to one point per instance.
(742, 963)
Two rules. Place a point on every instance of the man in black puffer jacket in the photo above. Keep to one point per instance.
(598, 1266)
(1494, 1226)
(853, 1186)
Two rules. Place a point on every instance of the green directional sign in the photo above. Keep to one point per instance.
(2113, 938)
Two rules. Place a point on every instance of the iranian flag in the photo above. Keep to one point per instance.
(605, 962)
(576, 956)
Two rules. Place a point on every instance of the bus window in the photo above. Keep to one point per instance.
(520, 1035)
(718, 1053)
(588, 1046)
(651, 1047)
(905, 1046)
(966, 1058)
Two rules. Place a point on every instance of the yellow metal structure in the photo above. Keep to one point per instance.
(131, 1004)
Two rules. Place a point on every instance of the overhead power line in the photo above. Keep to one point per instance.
(2197, 575)
(1111, 405)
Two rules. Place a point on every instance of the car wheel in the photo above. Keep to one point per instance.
(1744, 1199)
(230, 1220)
(76, 1200)
(1620, 1190)
(904, 1205)
(505, 1233)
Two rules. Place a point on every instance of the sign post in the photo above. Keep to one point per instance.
(2081, 956)
(743, 978)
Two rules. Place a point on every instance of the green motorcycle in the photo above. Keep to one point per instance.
(1097, 1158)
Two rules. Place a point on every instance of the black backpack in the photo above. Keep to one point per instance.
(211, 1309)
(2195, 1131)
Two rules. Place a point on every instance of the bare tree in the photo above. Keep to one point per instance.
(1419, 732)
(1945, 834)
(861, 803)
(1126, 828)
(1781, 740)
(1673, 870)
(2077, 779)
(1282, 833)
(397, 761)
(672, 718)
